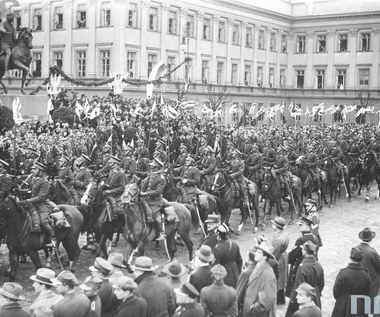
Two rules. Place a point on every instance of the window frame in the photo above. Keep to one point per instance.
(80, 70)
(260, 75)
(37, 19)
(132, 19)
(234, 73)
(320, 74)
(236, 33)
(105, 14)
(55, 59)
(261, 40)
(362, 69)
(320, 48)
(105, 73)
(273, 42)
(206, 29)
(222, 31)
(205, 73)
(81, 13)
(344, 76)
(301, 39)
(153, 19)
(173, 29)
(135, 64)
(172, 76)
(340, 35)
(36, 63)
(154, 61)
(365, 41)
(247, 81)
(220, 72)
(298, 74)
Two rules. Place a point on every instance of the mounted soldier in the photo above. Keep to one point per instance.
(38, 203)
(141, 151)
(334, 153)
(207, 167)
(128, 163)
(254, 162)
(82, 177)
(280, 170)
(8, 39)
(235, 171)
(182, 156)
(5, 180)
(65, 172)
(315, 172)
(160, 152)
(114, 188)
(189, 179)
(152, 188)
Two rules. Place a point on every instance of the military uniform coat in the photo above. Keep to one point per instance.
(40, 192)
(142, 167)
(81, 181)
(201, 277)
(154, 186)
(192, 175)
(117, 181)
(211, 239)
(227, 253)
(280, 243)
(107, 298)
(309, 311)
(189, 310)
(352, 280)
(133, 306)
(72, 304)
(5, 185)
(261, 292)
(371, 263)
(219, 300)
(129, 165)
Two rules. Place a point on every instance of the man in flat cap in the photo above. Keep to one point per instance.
(352, 280)
(371, 259)
(8, 39)
(219, 299)
(309, 271)
(186, 298)
(305, 297)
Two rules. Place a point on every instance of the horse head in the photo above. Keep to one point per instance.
(25, 36)
(90, 194)
(219, 182)
(131, 193)
(267, 179)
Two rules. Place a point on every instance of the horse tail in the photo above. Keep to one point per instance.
(193, 213)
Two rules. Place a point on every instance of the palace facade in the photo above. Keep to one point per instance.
(279, 51)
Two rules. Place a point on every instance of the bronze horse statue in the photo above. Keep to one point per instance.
(20, 59)
(21, 240)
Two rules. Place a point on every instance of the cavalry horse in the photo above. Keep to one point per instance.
(355, 175)
(334, 180)
(222, 188)
(20, 59)
(371, 173)
(21, 240)
(271, 190)
(138, 233)
(308, 186)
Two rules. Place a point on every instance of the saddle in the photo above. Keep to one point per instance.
(59, 220)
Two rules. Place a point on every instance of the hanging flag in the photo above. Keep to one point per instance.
(291, 106)
(206, 109)
(361, 111)
(94, 113)
(50, 107)
(16, 108)
(282, 108)
(187, 104)
(307, 112)
(169, 111)
(216, 146)
(157, 72)
(234, 108)
(252, 109)
(86, 107)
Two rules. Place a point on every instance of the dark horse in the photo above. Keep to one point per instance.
(371, 173)
(20, 239)
(138, 233)
(334, 180)
(271, 190)
(20, 58)
(355, 174)
(222, 188)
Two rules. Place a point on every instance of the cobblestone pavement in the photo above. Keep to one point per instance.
(340, 226)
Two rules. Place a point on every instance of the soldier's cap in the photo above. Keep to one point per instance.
(115, 159)
(39, 165)
(4, 163)
(160, 143)
(307, 289)
(356, 254)
(187, 289)
(65, 278)
(91, 283)
(219, 272)
(12, 291)
(116, 259)
(43, 276)
(101, 265)
(175, 269)
(266, 248)
(183, 146)
(190, 158)
(10, 15)
(157, 162)
(125, 283)
(211, 218)
(86, 158)
(304, 220)
(309, 247)
(65, 158)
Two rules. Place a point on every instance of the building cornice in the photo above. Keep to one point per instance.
(342, 16)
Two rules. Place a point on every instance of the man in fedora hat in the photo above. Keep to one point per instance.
(156, 292)
(186, 298)
(116, 259)
(371, 259)
(72, 304)
(201, 276)
(114, 187)
(40, 188)
(260, 294)
(227, 253)
(280, 243)
(305, 297)
(219, 299)
(175, 270)
(130, 304)
(90, 288)
(309, 271)
(212, 223)
(5, 180)
(11, 294)
(103, 269)
(352, 280)
(152, 189)
(42, 284)
(295, 256)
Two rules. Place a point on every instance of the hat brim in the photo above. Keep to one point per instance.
(182, 272)
(373, 235)
(11, 296)
(278, 225)
(268, 254)
(119, 265)
(35, 279)
(93, 269)
(144, 269)
(210, 258)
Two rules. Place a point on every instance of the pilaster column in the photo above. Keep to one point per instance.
(143, 11)
(375, 58)
(215, 27)
(255, 30)
(197, 60)
(352, 46)
(243, 32)
(309, 73)
(45, 62)
(290, 76)
(164, 9)
(329, 75)
(68, 53)
(227, 77)
(91, 52)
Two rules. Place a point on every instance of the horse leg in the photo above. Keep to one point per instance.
(13, 262)
(101, 248)
(172, 248)
(244, 216)
(35, 259)
(189, 244)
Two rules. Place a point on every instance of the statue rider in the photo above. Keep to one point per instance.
(152, 188)
(38, 202)
(8, 39)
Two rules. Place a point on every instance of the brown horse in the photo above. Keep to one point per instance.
(20, 240)
(20, 58)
